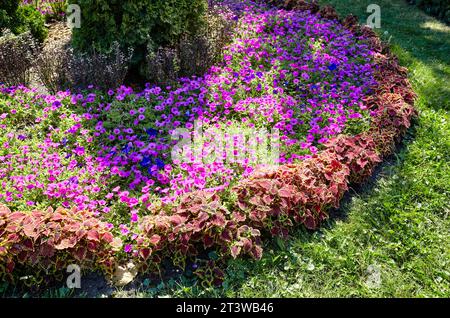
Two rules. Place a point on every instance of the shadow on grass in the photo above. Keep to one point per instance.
(421, 42)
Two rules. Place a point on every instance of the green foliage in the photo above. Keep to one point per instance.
(58, 10)
(438, 8)
(20, 19)
(30, 19)
(136, 24)
(9, 6)
(8, 9)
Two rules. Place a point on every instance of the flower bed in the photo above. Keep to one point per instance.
(333, 98)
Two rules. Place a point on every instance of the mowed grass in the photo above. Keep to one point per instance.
(391, 238)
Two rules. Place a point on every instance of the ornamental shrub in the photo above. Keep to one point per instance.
(20, 19)
(135, 24)
(28, 18)
(16, 57)
(194, 54)
(8, 9)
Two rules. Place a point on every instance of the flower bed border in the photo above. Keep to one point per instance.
(269, 203)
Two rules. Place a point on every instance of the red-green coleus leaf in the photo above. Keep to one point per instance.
(155, 239)
(208, 241)
(22, 257)
(147, 225)
(66, 243)
(176, 220)
(195, 208)
(184, 248)
(80, 253)
(3, 250)
(202, 217)
(267, 199)
(107, 237)
(244, 229)
(265, 184)
(255, 232)
(93, 235)
(31, 230)
(145, 253)
(57, 217)
(12, 228)
(4, 210)
(226, 235)
(10, 266)
(73, 227)
(196, 226)
(310, 222)
(16, 217)
(242, 205)
(171, 237)
(185, 237)
(362, 162)
(287, 191)
(255, 200)
(238, 217)
(27, 244)
(246, 244)
(80, 233)
(256, 252)
(218, 220)
(13, 238)
(259, 214)
(235, 251)
(92, 246)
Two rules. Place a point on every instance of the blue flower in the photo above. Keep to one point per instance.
(332, 67)
(64, 141)
(159, 163)
(151, 132)
(188, 113)
(126, 149)
(56, 104)
(73, 180)
(146, 162)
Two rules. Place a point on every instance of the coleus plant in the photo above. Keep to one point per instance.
(276, 199)
(48, 241)
(198, 222)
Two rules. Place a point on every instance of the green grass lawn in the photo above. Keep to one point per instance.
(391, 238)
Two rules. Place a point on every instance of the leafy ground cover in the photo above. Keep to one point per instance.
(94, 143)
